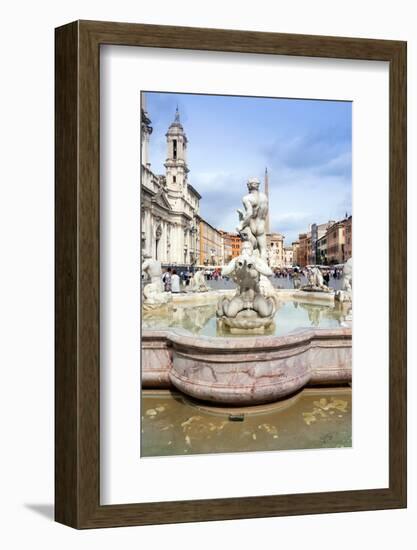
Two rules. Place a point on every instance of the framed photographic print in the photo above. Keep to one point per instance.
(230, 274)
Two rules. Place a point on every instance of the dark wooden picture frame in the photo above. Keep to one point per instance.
(77, 374)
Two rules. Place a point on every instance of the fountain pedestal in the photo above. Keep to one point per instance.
(247, 322)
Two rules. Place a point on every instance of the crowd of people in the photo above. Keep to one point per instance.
(336, 273)
(174, 280)
(297, 272)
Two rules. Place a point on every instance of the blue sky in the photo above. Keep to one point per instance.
(305, 144)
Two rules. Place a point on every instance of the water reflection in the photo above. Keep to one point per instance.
(290, 316)
(192, 318)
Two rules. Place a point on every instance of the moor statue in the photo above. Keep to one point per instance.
(245, 271)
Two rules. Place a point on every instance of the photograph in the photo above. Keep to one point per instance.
(246, 273)
(199, 345)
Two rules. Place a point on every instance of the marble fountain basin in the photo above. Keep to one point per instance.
(245, 370)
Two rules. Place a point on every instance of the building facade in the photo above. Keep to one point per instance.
(288, 256)
(295, 247)
(348, 237)
(275, 248)
(227, 246)
(232, 243)
(211, 245)
(329, 243)
(236, 244)
(336, 243)
(317, 232)
(170, 220)
(304, 249)
(321, 250)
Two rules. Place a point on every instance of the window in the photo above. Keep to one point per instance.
(174, 143)
(174, 179)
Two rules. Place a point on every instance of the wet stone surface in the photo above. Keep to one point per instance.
(314, 419)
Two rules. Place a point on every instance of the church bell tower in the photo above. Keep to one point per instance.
(176, 161)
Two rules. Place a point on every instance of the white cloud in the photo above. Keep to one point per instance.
(223, 182)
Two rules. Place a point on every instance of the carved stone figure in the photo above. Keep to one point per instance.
(310, 276)
(252, 220)
(315, 281)
(248, 309)
(347, 276)
(153, 292)
(345, 295)
(266, 287)
(198, 282)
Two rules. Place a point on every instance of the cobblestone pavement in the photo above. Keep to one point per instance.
(278, 282)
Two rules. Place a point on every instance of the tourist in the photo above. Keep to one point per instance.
(175, 283)
(166, 279)
(326, 277)
(296, 282)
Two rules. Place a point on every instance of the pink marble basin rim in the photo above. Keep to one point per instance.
(246, 370)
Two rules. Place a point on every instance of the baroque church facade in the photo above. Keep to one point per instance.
(170, 221)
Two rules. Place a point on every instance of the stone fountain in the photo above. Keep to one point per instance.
(198, 282)
(315, 281)
(258, 366)
(251, 309)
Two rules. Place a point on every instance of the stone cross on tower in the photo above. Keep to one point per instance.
(267, 225)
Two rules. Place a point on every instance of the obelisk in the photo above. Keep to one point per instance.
(267, 227)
